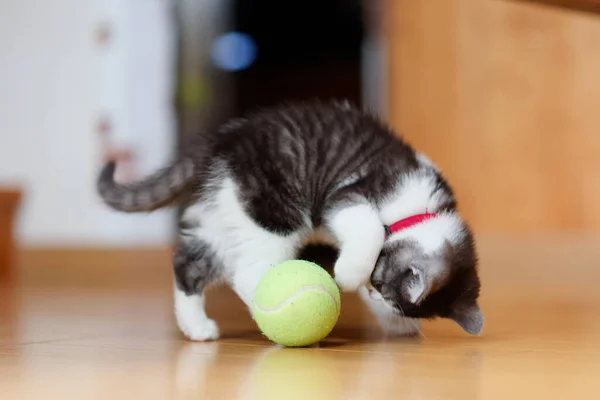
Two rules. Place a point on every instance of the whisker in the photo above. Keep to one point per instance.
(410, 320)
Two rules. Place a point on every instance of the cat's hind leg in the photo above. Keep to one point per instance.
(256, 257)
(195, 266)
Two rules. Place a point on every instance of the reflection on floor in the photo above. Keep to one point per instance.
(100, 327)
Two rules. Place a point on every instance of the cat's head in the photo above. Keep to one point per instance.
(430, 271)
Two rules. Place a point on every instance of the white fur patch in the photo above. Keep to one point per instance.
(412, 196)
(246, 249)
(432, 233)
(360, 235)
(191, 318)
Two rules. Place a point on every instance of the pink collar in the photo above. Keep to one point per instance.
(408, 223)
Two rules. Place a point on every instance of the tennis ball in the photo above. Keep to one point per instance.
(296, 303)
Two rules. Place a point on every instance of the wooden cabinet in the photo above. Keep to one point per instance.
(505, 97)
(582, 5)
(9, 201)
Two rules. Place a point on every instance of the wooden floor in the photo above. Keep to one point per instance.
(99, 326)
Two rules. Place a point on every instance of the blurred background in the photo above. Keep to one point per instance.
(86, 79)
(503, 95)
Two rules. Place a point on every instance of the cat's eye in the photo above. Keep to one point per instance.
(377, 284)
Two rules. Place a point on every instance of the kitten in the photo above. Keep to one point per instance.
(255, 191)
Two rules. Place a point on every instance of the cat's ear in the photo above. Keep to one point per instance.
(468, 316)
(415, 286)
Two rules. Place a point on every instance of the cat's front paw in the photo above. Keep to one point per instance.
(201, 332)
(349, 278)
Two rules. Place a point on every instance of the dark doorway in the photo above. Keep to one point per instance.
(304, 50)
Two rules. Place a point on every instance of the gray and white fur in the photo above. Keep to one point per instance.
(256, 190)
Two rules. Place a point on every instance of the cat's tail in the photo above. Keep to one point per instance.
(156, 191)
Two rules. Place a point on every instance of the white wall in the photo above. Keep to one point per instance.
(55, 82)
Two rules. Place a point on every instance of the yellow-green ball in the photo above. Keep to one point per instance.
(296, 303)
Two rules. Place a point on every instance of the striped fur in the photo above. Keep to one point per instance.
(152, 193)
(256, 190)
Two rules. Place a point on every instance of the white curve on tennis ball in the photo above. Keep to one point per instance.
(297, 294)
